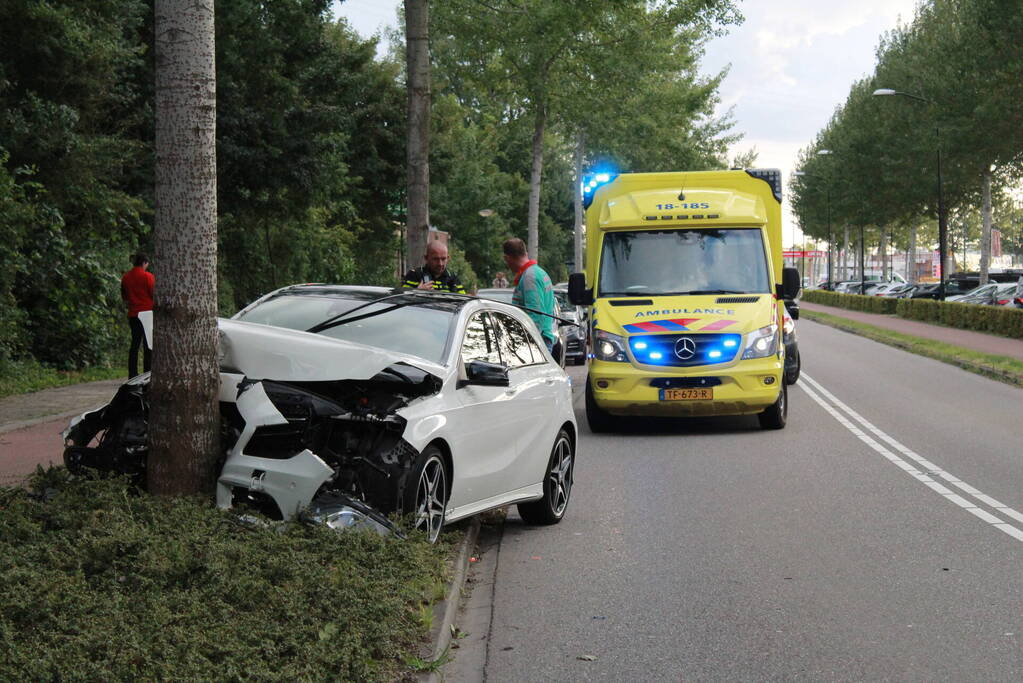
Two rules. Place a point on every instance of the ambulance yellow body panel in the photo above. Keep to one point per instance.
(684, 283)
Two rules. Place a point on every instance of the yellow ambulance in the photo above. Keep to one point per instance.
(685, 285)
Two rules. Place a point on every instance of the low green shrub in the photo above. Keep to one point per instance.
(98, 583)
(1007, 322)
(853, 302)
(26, 375)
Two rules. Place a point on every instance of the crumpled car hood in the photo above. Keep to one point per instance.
(267, 352)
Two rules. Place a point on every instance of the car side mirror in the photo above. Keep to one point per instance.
(791, 283)
(577, 292)
(482, 373)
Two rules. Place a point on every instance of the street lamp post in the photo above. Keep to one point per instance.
(942, 214)
(827, 189)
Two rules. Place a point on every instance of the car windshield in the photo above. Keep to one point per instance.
(420, 329)
(665, 262)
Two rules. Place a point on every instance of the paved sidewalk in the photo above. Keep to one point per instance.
(975, 341)
(30, 425)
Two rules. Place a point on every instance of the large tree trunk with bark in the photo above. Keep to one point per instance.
(985, 232)
(535, 176)
(184, 416)
(417, 56)
(577, 200)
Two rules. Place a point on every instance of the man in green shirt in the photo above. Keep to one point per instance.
(533, 289)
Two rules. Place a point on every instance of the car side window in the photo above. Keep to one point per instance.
(515, 343)
(480, 342)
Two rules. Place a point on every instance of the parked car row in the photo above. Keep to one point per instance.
(991, 294)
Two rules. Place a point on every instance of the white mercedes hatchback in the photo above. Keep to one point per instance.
(352, 403)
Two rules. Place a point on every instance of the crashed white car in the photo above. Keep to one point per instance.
(352, 403)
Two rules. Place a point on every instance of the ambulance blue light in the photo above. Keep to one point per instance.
(714, 354)
(639, 346)
(731, 343)
(656, 355)
(592, 181)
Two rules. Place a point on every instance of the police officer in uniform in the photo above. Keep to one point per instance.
(434, 275)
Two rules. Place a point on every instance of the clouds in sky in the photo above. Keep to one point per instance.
(792, 63)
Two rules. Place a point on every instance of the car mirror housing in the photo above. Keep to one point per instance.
(482, 373)
(577, 292)
(791, 283)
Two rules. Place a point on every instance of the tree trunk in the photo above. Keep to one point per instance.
(883, 247)
(577, 200)
(845, 253)
(417, 55)
(985, 232)
(535, 175)
(911, 257)
(184, 417)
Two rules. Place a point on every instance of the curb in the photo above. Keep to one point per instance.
(444, 611)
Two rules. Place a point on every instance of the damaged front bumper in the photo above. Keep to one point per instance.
(330, 452)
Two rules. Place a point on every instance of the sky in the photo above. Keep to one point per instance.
(791, 64)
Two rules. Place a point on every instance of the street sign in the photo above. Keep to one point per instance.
(798, 253)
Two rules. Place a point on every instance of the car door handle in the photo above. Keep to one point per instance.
(549, 381)
(510, 392)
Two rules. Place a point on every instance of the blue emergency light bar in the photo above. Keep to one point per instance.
(592, 181)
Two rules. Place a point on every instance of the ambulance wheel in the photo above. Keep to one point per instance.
(775, 416)
(599, 420)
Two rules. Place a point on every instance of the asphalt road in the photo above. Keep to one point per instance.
(878, 537)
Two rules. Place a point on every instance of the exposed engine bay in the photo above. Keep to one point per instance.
(327, 448)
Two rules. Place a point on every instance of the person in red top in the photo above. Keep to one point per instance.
(137, 292)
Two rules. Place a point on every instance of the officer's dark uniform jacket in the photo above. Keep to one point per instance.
(447, 282)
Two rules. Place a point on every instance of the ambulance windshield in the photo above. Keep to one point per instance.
(683, 261)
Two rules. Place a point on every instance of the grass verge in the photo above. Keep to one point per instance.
(99, 583)
(1008, 370)
(24, 376)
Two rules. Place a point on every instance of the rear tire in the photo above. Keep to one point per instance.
(598, 419)
(777, 414)
(557, 485)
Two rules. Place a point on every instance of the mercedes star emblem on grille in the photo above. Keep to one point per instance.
(685, 348)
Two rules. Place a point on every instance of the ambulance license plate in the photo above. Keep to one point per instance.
(687, 394)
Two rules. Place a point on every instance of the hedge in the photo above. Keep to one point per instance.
(1007, 322)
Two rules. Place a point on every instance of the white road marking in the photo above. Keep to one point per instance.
(930, 470)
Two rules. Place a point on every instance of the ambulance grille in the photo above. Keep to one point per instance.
(738, 299)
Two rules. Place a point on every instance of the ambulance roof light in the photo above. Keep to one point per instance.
(771, 176)
(591, 181)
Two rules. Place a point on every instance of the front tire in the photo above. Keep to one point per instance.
(427, 496)
(777, 414)
(557, 485)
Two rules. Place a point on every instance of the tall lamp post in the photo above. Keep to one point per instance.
(825, 152)
(942, 214)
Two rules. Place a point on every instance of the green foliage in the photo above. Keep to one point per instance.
(23, 376)
(68, 104)
(853, 302)
(100, 583)
(1007, 322)
(966, 61)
